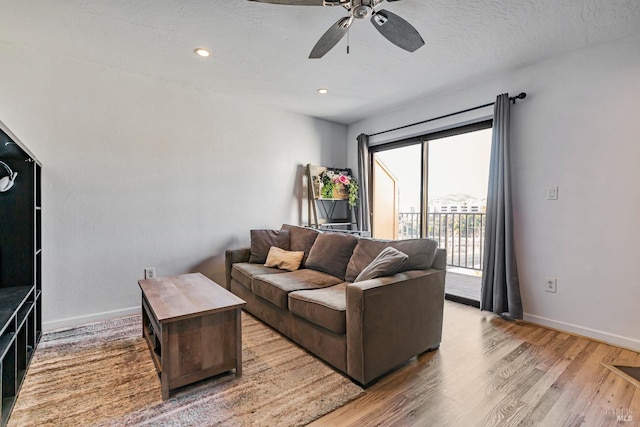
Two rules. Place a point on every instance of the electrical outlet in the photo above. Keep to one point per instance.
(551, 285)
(150, 273)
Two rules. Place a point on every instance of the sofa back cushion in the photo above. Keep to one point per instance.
(302, 239)
(420, 252)
(440, 260)
(331, 253)
(262, 240)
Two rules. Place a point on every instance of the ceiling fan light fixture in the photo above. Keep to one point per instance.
(362, 11)
(200, 51)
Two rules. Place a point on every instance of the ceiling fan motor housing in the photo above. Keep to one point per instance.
(361, 9)
(344, 3)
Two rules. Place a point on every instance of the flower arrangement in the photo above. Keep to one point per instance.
(337, 184)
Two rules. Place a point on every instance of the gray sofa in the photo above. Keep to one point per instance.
(364, 329)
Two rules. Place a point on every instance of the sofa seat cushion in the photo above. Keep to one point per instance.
(325, 307)
(275, 288)
(244, 272)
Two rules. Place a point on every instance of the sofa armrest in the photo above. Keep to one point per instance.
(231, 256)
(391, 319)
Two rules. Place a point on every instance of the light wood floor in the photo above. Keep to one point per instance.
(492, 372)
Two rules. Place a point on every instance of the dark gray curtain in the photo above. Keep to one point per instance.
(500, 284)
(364, 208)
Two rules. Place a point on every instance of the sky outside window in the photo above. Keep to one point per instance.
(458, 166)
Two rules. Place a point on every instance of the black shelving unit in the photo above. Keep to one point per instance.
(20, 268)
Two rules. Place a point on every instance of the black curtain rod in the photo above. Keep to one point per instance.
(513, 99)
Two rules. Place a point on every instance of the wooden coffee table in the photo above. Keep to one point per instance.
(193, 328)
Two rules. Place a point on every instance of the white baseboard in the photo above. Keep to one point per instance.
(606, 337)
(80, 320)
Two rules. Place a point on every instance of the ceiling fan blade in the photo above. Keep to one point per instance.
(293, 2)
(331, 38)
(397, 30)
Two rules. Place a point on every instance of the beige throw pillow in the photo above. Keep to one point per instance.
(284, 260)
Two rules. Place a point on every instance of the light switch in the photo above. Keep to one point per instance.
(552, 193)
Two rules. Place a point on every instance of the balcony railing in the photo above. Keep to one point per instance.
(461, 234)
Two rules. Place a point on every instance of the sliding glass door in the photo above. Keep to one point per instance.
(436, 187)
(458, 173)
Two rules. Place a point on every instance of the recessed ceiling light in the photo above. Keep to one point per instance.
(323, 91)
(202, 52)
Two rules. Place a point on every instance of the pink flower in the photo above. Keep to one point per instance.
(344, 180)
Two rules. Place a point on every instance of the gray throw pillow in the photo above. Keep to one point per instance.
(262, 240)
(387, 263)
(366, 251)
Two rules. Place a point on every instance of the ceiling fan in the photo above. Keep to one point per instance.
(391, 26)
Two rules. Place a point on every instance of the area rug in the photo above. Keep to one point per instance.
(101, 374)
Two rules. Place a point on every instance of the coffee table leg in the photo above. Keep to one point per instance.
(238, 342)
(164, 376)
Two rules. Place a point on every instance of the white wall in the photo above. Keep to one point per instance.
(140, 172)
(579, 130)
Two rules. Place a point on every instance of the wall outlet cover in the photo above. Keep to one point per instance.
(551, 285)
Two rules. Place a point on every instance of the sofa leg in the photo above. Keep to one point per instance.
(429, 350)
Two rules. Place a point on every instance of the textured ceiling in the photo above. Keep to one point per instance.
(260, 50)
